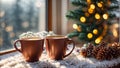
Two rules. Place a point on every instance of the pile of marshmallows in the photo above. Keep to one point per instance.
(38, 35)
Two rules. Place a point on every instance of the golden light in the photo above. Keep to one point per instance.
(82, 19)
(75, 26)
(89, 35)
(115, 33)
(101, 2)
(99, 5)
(104, 30)
(90, 11)
(105, 16)
(97, 16)
(9, 28)
(79, 29)
(109, 2)
(101, 37)
(116, 25)
(87, 14)
(92, 6)
(89, 1)
(95, 31)
(98, 40)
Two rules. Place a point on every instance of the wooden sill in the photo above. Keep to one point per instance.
(7, 51)
(14, 50)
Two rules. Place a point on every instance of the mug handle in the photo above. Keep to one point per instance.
(70, 41)
(16, 46)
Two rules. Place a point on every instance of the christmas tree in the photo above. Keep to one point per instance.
(92, 18)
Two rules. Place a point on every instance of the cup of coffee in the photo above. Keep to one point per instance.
(30, 48)
(56, 47)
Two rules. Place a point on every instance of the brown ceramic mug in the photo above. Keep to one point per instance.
(31, 49)
(56, 47)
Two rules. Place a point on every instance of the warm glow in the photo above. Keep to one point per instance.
(89, 35)
(90, 11)
(75, 26)
(108, 2)
(89, 1)
(115, 34)
(9, 28)
(99, 5)
(116, 25)
(97, 16)
(98, 40)
(105, 16)
(100, 37)
(92, 6)
(95, 31)
(104, 30)
(82, 19)
(87, 14)
(79, 29)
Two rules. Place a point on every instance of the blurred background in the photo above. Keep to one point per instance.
(18, 16)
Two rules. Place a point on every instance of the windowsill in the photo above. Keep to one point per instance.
(7, 51)
(16, 60)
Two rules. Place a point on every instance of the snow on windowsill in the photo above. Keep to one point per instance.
(16, 60)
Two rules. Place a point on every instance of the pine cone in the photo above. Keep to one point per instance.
(118, 49)
(114, 51)
(95, 51)
(89, 50)
(109, 55)
(103, 51)
(103, 44)
(102, 55)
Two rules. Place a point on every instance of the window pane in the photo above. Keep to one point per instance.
(16, 17)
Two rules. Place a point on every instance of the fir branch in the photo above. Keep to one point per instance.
(111, 16)
(75, 14)
(114, 1)
(79, 3)
(82, 36)
(73, 34)
(112, 8)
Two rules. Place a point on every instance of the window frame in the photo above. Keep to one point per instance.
(48, 23)
(54, 18)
